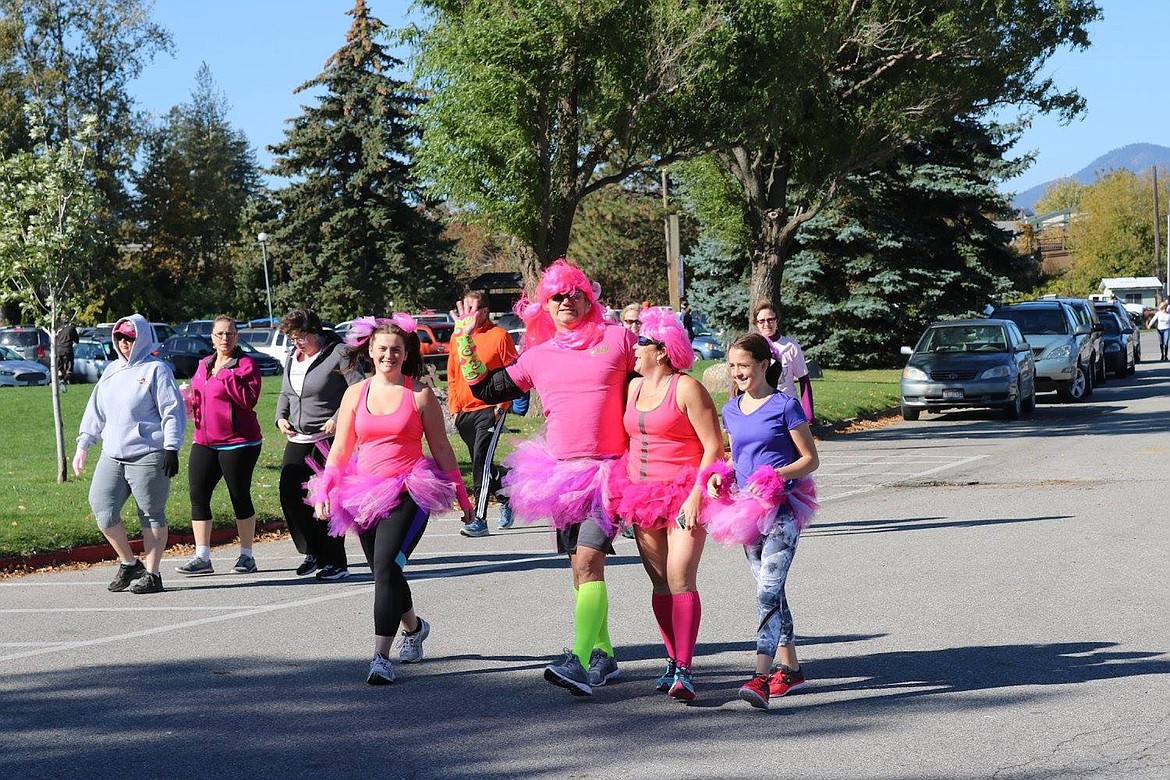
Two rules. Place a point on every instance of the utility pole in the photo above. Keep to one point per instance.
(674, 273)
(1158, 225)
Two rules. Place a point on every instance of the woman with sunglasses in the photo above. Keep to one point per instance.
(314, 382)
(136, 411)
(787, 372)
(223, 396)
(763, 500)
(579, 365)
(377, 481)
(673, 432)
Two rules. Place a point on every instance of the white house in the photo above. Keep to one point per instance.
(1146, 290)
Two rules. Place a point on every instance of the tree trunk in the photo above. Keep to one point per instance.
(768, 260)
(58, 422)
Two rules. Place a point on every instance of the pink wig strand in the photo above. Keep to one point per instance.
(564, 492)
(662, 325)
(561, 277)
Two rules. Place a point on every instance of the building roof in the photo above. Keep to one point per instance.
(1130, 282)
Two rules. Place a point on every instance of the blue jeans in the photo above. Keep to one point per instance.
(1164, 338)
(770, 558)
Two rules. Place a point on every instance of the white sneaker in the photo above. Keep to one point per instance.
(411, 649)
(381, 671)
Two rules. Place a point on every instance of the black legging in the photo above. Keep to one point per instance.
(205, 467)
(310, 535)
(387, 546)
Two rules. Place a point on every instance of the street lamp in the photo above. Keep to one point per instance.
(263, 239)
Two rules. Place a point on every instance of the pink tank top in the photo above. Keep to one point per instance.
(662, 440)
(388, 444)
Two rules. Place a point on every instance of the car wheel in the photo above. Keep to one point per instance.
(1090, 372)
(1014, 407)
(1030, 402)
(1075, 389)
(698, 355)
(1099, 377)
(910, 413)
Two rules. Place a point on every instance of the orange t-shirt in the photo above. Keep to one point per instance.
(495, 349)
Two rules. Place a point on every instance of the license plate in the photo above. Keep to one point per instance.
(952, 394)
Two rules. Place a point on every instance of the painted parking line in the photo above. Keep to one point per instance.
(236, 614)
(830, 491)
(47, 610)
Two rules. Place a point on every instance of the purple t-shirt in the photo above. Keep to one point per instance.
(762, 438)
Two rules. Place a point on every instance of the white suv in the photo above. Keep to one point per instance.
(270, 341)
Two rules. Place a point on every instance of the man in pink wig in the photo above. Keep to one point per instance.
(580, 365)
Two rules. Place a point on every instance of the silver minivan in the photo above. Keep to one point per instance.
(28, 341)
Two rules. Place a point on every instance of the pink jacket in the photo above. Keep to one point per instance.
(224, 406)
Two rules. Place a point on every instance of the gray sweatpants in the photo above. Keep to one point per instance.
(115, 480)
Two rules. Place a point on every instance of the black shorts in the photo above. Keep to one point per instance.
(584, 534)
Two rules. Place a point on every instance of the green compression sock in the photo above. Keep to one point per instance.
(589, 621)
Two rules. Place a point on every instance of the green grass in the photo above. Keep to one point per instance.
(37, 514)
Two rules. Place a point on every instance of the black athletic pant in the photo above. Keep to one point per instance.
(387, 546)
(309, 534)
(480, 431)
(206, 467)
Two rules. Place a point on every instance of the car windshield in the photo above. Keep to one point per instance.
(442, 332)
(20, 338)
(255, 336)
(1041, 322)
(8, 354)
(963, 338)
(1111, 324)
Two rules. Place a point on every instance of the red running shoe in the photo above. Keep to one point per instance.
(784, 680)
(755, 691)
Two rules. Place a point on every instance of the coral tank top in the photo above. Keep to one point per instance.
(388, 444)
(662, 440)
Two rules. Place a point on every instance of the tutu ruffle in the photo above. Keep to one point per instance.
(743, 517)
(564, 492)
(359, 500)
(649, 503)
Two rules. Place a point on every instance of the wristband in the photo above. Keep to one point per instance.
(470, 365)
(726, 473)
(769, 486)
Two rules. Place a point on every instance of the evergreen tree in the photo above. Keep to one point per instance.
(910, 242)
(354, 236)
(197, 179)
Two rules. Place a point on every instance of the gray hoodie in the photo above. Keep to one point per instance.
(135, 408)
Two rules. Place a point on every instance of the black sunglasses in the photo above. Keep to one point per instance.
(645, 342)
(572, 295)
(123, 337)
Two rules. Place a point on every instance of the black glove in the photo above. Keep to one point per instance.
(170, 463)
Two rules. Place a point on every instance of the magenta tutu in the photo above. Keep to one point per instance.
(564, 492)
(649, 503)
(743, 517)
(359, 500)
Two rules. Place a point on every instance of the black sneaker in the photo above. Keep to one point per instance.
(332, 573)
(147, 583)
(308, 566)
(126, 574)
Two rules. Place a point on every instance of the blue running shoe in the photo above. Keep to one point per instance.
(475, 528)
(683, 687)
(506, 517)
(664, 682)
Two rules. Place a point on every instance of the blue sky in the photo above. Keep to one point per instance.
(260, 50)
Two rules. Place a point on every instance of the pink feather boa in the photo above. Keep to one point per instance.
(726, 475)
(649, 503)
(358, 500)
(742, 517)
(564, 492)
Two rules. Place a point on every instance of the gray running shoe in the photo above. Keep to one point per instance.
(410, 651)
(602, 668)
(567, 672)
(381, 671)
(245, 564)
(147, 583)
(196, 566)
(126, 575)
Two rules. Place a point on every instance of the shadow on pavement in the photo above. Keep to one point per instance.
(916, 524)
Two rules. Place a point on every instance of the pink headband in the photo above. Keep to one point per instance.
(362, 328)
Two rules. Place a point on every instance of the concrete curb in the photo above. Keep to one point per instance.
(96, 553)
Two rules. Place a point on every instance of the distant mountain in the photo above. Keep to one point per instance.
(1134, 157)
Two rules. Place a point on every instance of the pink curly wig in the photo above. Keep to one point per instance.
(662, 325)
(561, 277)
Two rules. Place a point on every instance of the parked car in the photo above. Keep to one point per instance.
(1120, 338)
(1126, 317)
(268, 365)
(434, 351)
(706, 344)
(270, 341)
(28, 341)
(105, 331)
(16, 371)
(185, 352)
(1086, 314)
(90, 359)
(969, 363)
(195, 328)
(432, 317)
(1060, 344)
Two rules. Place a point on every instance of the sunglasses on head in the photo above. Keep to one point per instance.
(645, 342)
(571, 295)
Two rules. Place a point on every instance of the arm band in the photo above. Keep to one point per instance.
(470, 365)
(460, 489)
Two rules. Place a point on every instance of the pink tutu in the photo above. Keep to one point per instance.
(564, 492)
(649, 503)
(358, 500)
(742, 517)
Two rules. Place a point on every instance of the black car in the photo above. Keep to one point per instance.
(185, 352)
(1127, 318)
(1120, 339)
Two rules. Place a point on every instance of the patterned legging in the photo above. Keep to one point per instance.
(770, 558)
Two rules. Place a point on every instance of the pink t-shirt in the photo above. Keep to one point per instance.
(792, 365)
(583, 392)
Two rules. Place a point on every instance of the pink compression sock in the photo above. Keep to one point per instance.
(687, 612)
(663, 604)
